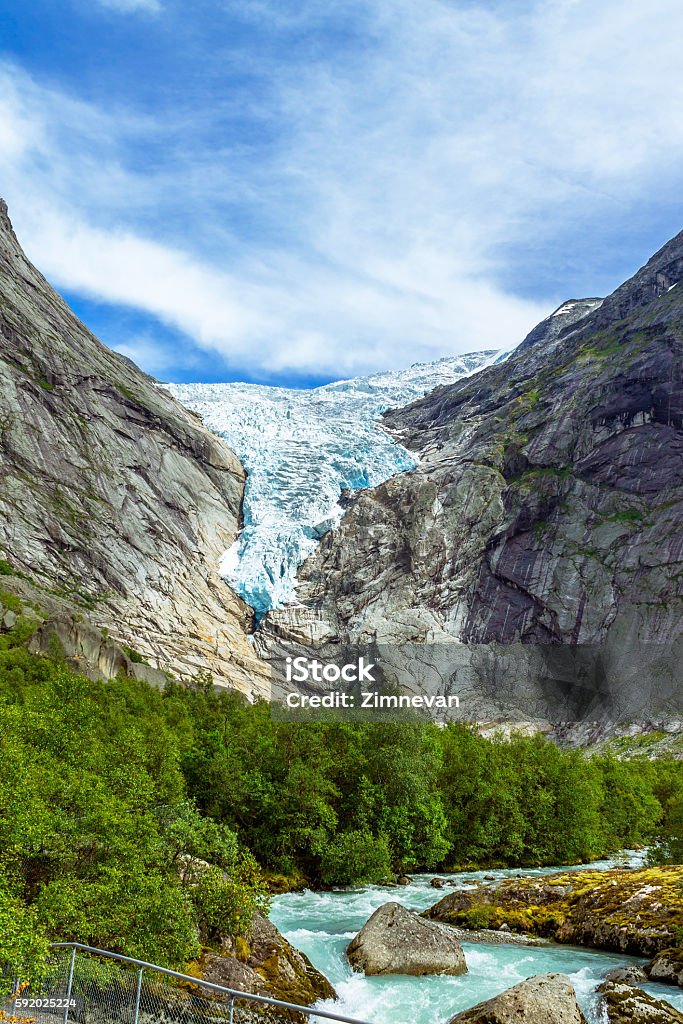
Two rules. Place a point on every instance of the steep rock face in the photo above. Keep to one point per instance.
(547, 503)
(112, 495)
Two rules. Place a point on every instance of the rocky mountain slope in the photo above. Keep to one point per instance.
(547, 503)
(303, 450)
(115, 502)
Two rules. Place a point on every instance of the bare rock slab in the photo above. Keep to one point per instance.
(544, 999)
(396, 941)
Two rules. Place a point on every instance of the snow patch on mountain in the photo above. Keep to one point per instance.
(302, 450)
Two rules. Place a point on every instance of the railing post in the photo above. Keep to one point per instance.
(137, 996)
(70, 986)
(232, 1004)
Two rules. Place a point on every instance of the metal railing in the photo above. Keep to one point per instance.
(101, 987)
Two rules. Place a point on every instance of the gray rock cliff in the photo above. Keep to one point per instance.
(547, 504)
(114, 499)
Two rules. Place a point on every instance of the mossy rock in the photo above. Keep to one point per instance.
(279, 883)
(667, 966)
(636, 912)
(627, 1004)
(265, 963)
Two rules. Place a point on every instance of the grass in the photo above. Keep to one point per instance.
(11, 601)
(631, 515)
(540, 472)
(8, 570)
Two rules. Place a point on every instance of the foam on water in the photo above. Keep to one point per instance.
(322, 924)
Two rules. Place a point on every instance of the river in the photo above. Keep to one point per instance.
(322, 924)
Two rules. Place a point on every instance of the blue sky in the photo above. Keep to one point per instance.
(295, 192)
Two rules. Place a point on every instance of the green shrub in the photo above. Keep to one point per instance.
(478, 917)
(225, 903)
(356, 857)
(24, 945)
(133, 655)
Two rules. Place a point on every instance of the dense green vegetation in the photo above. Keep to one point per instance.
(133, 819)
(98, 839)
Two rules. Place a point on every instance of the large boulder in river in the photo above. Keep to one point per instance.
(544, 999)
(626, 1004)
(667, 966)
(396, 941)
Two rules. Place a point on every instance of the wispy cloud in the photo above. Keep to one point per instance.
(353, 205)
(128, 6)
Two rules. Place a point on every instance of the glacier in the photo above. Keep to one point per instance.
(302, 450)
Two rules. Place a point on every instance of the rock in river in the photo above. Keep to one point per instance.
(627, 1004)
(396, 941)
(631, 975)
(667, 966)
(545, 999)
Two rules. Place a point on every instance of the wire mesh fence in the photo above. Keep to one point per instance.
(85, 986)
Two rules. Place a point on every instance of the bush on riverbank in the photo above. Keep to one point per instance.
(98, 841)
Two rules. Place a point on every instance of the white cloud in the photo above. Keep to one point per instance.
(120, 267)
(379, 216)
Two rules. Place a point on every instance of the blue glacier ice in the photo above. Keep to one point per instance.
(301, 449)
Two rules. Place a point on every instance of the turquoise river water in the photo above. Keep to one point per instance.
(322, 924)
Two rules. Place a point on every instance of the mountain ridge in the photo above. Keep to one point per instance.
(528, 518)
(543, 504)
